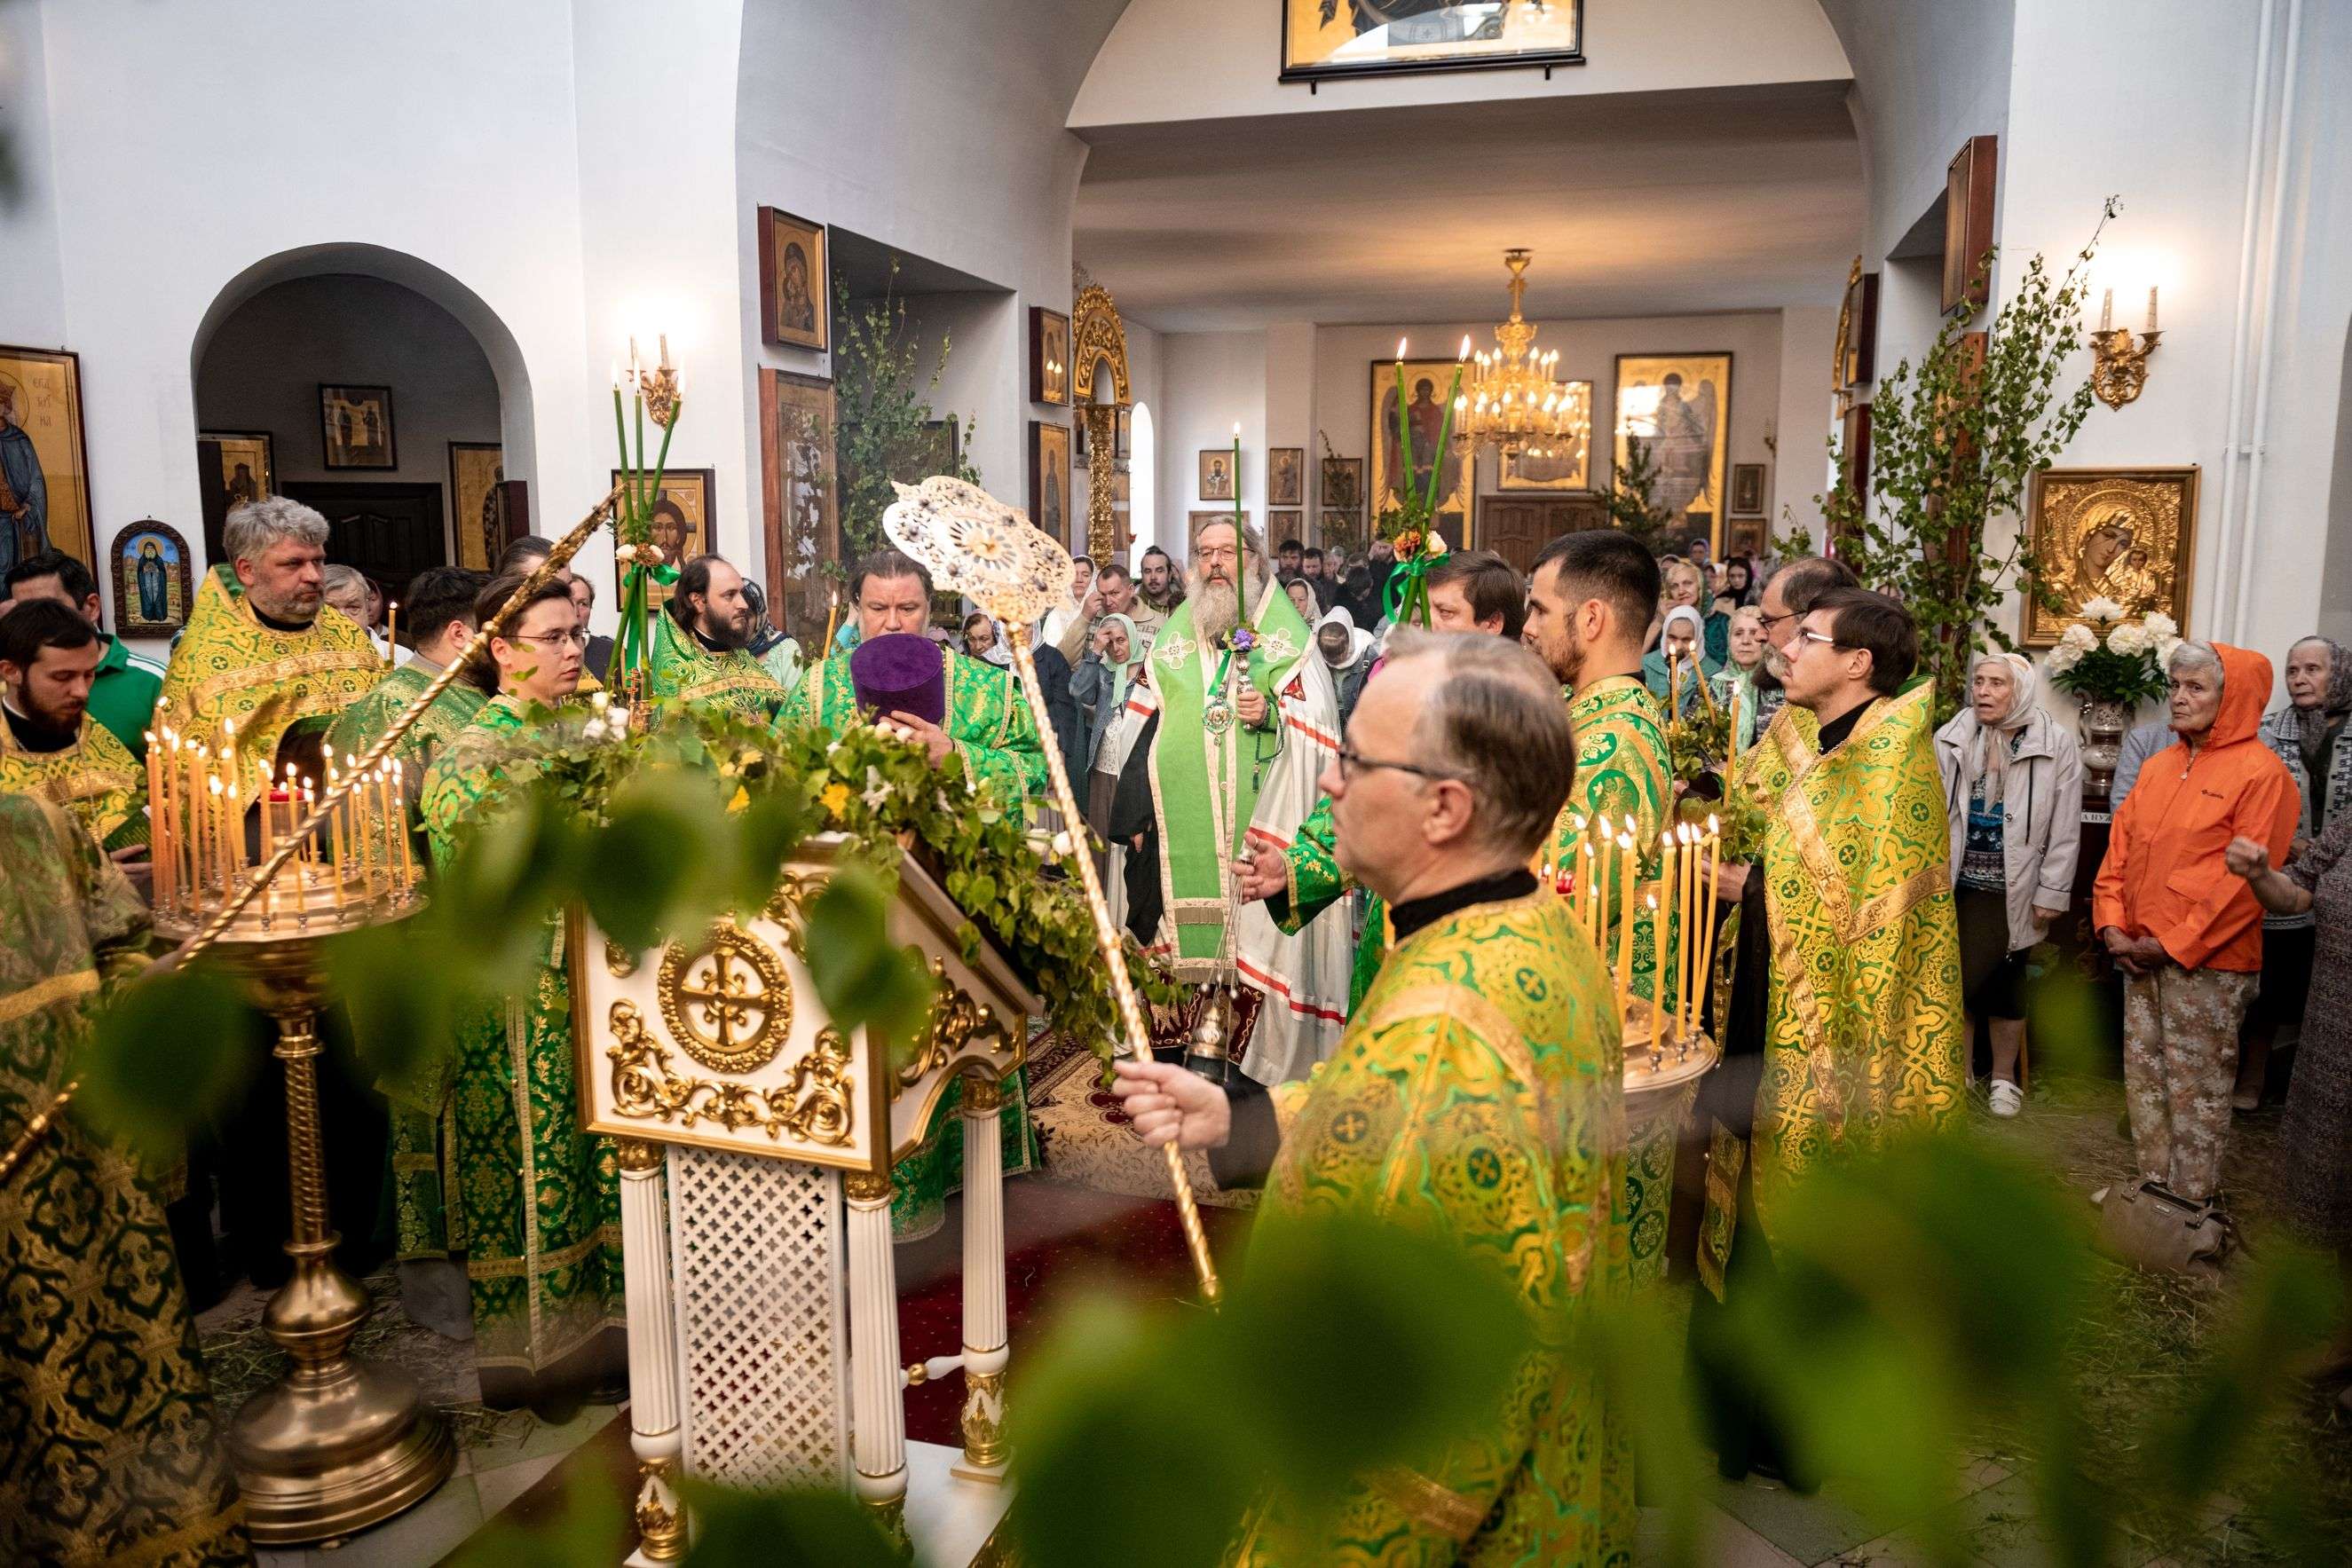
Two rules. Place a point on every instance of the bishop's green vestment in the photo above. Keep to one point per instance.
(111, 1450)
(1475, 1094)
(538, 1201)
(681, 667)
(423, 1140)
(988, 720)
(1862, 1028)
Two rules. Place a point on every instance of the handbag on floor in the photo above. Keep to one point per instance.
(2150, 1226)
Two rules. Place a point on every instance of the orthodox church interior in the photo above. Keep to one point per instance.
(707, 278)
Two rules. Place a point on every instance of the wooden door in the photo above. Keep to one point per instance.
(390, 532)
(1514, 530)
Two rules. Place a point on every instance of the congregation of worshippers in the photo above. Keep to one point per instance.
(1406, 814)
(1135, 782)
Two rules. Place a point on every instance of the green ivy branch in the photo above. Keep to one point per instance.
(656, 832)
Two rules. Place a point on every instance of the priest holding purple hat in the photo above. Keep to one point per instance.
(950, 701)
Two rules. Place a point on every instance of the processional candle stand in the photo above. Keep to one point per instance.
(338, 1444)
(1665, 902)
(977, 546)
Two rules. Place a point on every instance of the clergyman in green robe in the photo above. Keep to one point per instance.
(989, 724)
(1476, 1095)
(989, 727)
(701, 652)
(442, 612)
(111, 1447)
(539, 1199)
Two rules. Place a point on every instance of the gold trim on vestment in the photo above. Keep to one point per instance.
(200, 695)
(1427, 1503)
(47, 993)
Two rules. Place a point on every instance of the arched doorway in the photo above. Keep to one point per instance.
(375, 388)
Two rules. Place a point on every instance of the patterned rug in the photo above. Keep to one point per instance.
(1084, 1137)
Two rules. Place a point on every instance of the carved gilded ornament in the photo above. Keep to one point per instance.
(1096, 336)
(955, 1023)
(787, 903)
(729, 1003)
(815, 1107)
(983, 1417)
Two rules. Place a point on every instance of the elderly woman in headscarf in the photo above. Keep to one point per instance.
(1680, 657)
(2304, 734)
(2013, 790)
(1114, 651)
(1744, 678)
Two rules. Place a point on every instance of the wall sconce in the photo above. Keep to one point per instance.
(2120, 362)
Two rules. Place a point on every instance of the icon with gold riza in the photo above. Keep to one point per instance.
(975, 545)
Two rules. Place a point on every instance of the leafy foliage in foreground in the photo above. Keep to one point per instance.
(657, 832)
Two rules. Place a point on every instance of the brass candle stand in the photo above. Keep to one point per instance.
(338, 1444)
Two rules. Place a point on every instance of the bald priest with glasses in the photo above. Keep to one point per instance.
(1475, 1095)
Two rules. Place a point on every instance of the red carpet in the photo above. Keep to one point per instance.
(1058, 1239)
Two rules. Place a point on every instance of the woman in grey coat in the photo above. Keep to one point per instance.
(2013, 790)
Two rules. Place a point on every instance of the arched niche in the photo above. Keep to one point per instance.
(365, 314)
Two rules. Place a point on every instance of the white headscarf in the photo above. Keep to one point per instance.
(1988, 744)
(1684, 613)
(1359, 640)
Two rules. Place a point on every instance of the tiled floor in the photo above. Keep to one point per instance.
(488, 1477)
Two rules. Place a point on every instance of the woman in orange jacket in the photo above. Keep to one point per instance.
(2187, 933)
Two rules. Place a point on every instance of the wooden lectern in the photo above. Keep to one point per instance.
(756, 1146)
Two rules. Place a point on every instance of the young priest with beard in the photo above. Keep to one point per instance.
(702, 644)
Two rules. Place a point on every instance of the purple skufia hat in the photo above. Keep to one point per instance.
(899, 671)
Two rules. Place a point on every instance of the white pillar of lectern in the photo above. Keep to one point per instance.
(654, 1382)
(877, 1410)
(984, 1352)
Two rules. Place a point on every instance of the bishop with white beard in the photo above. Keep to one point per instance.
(1239, 729)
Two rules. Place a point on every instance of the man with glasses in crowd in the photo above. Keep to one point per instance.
(1475, 1095)
(1845, 1010)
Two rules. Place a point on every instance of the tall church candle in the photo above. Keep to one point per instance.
(1404, 435)
(1444, 435)
(1237, 478)
(400, 827)
(1714, 864)
(1628, 873)
(1687, 944)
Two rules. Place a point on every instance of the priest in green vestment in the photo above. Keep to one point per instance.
(989, 727)
(1237, 731)
(1475, 1094)
(537, 1199)
(1589, 601)
(1863, 1030)
(111, 1450)
(701, 652)
(989, 724)
(50, 745)
(442, 614)
(258, 653)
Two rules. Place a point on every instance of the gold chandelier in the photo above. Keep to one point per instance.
(1511, 399)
